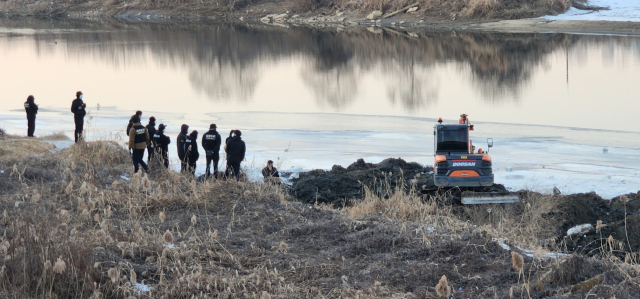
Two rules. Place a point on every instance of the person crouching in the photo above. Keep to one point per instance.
(271, 174)
(138, 140)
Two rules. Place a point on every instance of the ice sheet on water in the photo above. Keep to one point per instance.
(619, 10)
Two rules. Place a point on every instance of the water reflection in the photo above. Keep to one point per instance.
(226, 62)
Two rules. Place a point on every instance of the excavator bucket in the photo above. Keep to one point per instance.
(474, 198)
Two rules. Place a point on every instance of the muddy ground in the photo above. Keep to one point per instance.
(70, 228)
(620, 217)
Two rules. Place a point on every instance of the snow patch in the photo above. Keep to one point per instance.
(619, 11)
(580, 229)
(142, 288)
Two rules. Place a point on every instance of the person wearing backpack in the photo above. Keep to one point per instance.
(138, 140)
(211, 141)
(32, 109)
(161, 146)
(191, 152)
(151, 127)
(78, 108)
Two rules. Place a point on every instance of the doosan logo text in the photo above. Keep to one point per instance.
(464, 164)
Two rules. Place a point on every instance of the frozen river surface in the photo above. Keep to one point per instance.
(562, 109)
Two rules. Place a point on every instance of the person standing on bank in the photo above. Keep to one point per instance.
(211, 141)
(151, 127)
(139, 114)
(32, 109)
(180, 143)
(78, 108)
(161, 146)
(235, 149)
(138, 140)
(192, 153)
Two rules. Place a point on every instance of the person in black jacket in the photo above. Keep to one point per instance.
(211, 141)
(32, 109)
(151, 127)
(78, 108)
(235, 149)
(271, 174)
(180, 142)
(191, 151)
(161, 146)
(139, 114)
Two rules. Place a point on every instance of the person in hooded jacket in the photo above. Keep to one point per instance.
(161, 145)
(78, 108)
(139, 114)
(235, 149)
(151, 127)
(211, 141)
(32, 109)
(138, 140)
(191, 151)
(180, 142)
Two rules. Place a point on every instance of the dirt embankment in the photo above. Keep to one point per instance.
(71, 226)
(618, 218)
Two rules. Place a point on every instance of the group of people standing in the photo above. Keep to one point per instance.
(157, 143)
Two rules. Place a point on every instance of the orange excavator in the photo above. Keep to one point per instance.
(457, 164)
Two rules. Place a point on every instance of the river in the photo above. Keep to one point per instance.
(561, 108)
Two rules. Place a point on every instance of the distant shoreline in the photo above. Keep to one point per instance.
(285, 14)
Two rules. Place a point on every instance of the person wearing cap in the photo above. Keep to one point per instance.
(271, 174)
(151, 127)
(236, 150)
(78, 108)
(139, 114)
(138, 140)
(463, 119)
(191, 151)
(161, 146)
(180, 142)
(32, 109)
(211, 141)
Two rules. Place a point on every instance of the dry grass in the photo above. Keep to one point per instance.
(77, 230)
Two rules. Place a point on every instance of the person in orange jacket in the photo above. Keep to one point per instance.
(464, 119)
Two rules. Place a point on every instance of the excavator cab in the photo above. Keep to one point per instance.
(457, 164)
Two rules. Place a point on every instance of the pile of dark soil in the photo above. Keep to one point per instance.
(347, 183)
(620, 219)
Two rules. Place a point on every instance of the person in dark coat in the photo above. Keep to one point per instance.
(32, 109)
(151, 127)
(211, 141)
(138, 140)
(78, 108)
(271, 174)
(191, 151)
(235, 149)
(180, 142)
(161, 146)
(139, 114)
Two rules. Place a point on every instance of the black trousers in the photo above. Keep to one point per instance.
(215, 159)
(192, 168)
(163, 158)
(151, 153)
(137, 158)
(31, 123)
(79, 127)
(233, 169)
(183, 166)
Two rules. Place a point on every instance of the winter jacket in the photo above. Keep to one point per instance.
(235, 150)
(191, 150)
(273, 172)
(161, 142)
(181, 140)
(130, 124)
(76, 108)
(138, 137)
(31, 108)
(211, 141)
